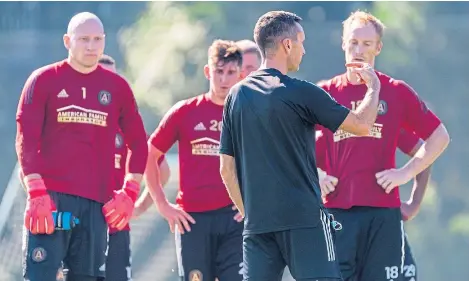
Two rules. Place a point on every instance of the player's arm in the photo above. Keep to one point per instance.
(159, 143)
(118, 210)
(131, 124)
(327, 183)
(145, 201)
(431, 149)
(421, 180)
(227, 160)
(30, 120)
(324, 110)
(361, 120)
(426, 125)
(410, 208)
(165, 135)
(230, 179)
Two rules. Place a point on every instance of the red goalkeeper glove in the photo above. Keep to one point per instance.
(118, 211)
(39, 206)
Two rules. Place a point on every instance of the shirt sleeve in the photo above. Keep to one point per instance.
(133, 130)
(323, 109)
(226, 138)
(167, 132)
(407, 141)
(30, 120)
(417, 117)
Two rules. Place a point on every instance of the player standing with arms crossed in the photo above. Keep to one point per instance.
(118, 262)
(208, 230)
(409, 144)
(365, 200)
(67, 118)
(267, 161)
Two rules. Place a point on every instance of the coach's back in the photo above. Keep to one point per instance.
(270, 119)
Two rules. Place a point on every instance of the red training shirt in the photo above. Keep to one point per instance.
(355, 160)
(66, 128)
(195, 124)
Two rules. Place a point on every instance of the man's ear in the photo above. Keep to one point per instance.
(287, 45)
(66, 41)
(379, 48)
(207, 71)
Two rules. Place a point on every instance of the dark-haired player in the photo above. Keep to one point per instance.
(267, 160)
(67, 117)
(208, 229)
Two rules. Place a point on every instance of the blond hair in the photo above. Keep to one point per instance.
(366, 18)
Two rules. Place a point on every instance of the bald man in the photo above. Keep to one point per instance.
(67, 119)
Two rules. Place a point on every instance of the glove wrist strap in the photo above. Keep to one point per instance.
(36, 188)
(132, 188)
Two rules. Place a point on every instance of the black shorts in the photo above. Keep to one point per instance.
(82, 249)
(309, 254)
(213, 247)
(118, 262)
(410, 267)
(370, 246)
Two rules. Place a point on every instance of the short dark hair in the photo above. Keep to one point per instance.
(274, 26)
(224, 51)
(107, 59)
(248, 47)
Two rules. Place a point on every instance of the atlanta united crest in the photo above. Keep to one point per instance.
(195, 275)
(38, 254)
(104, 97)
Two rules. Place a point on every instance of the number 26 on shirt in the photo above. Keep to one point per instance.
(215, 125)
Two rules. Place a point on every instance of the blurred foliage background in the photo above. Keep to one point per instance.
(161, 47)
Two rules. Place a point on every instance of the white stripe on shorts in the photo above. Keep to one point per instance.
(326, 227)
(177, 238)
(403, 234)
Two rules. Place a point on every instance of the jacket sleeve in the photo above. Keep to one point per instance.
(30, 120)
(131, 124)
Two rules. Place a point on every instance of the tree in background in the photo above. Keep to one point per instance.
(165, 51)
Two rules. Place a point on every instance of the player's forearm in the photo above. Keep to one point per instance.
(145, 200)
(230, 179)
(420, 186)
(138, 155)
(136, 139)
(153, 182)
(30, 118)
(134, 177)
(27, 149)
(368, 108)
(429, 152)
